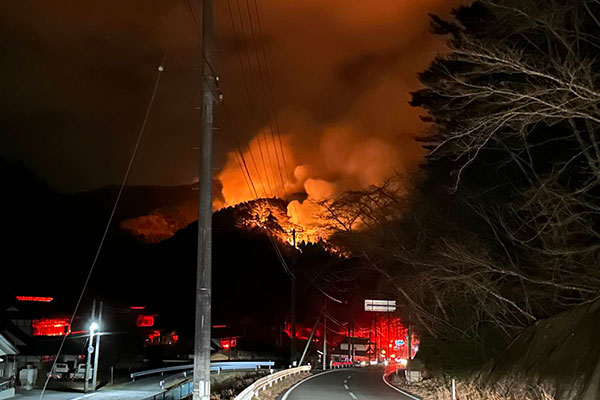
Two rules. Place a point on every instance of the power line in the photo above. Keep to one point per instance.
(264, 91)
(246, 85)
(270, 86)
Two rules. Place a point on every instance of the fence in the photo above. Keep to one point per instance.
(214, 366)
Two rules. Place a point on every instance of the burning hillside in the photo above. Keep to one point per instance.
(262, 215)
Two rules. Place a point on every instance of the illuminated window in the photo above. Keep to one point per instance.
(51, 327)
(145, 321)
(35, 298)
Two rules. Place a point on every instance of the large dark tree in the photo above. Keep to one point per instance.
(503, 227)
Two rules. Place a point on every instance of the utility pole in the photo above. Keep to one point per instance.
(90, 349)
(376, 326)
(310, 338)
(409, 338)
(349, 340)
(97, 350)
(293, 317)
(202, 340)
(325, 337)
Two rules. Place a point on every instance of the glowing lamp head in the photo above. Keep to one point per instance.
(94, 327)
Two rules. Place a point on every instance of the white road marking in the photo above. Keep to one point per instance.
(353, 396)
(84, 396)
(399, 390)
(285, 396)
(346, 387)
(349, 376)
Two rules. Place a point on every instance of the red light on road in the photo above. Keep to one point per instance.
(144, 321)
(175, 338)
(137, 307)
(35, 298)
(51, 327)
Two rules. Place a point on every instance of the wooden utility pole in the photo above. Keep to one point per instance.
(202, 342)
(409, 338)
(325, 337)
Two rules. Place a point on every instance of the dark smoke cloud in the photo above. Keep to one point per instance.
(77, 76)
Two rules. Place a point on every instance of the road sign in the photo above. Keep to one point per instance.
(380, 305)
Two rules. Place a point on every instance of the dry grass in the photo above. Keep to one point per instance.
(470, 391)
(440, 389)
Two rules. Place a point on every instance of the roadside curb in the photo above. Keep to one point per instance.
(412, 396)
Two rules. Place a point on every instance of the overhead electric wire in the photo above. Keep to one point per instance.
(270, 86)
(269, 101)
(273, 103)
(247, 87)
(111, 216)
(260, 119)
(265, 98)
(242, 163)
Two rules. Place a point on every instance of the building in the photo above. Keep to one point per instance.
(356, 349)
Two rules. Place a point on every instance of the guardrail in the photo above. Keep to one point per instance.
(214, 366)
(269, 380)
(6, 385)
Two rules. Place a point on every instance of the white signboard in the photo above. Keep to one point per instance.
(380, 305)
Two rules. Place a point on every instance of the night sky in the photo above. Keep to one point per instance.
(77, 78)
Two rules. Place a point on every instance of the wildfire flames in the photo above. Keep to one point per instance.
(339, 106)
(304, 177)
(277, 192)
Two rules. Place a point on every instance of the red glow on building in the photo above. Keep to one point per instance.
(137, 307)
(145, 321)
(51, 327)
(228, 343)
(35, 298)
(302, 332)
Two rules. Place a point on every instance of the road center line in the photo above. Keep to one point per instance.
(353, 396)
(285, 396)
(346, 387)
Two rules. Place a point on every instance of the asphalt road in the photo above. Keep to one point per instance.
(346, 384)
